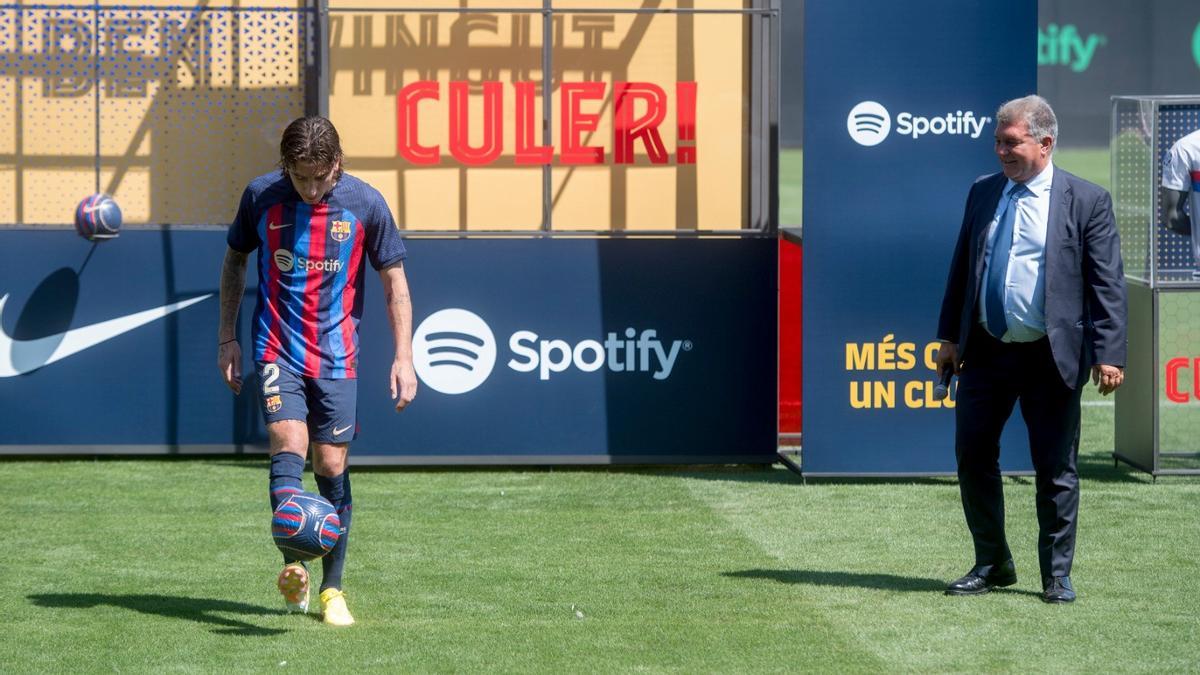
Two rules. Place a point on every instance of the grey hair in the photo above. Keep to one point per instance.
(1035, 112)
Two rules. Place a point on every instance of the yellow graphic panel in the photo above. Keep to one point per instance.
(171, 110)
(648, 127)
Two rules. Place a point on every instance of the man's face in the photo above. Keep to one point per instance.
(312, 181)
(1021, 155)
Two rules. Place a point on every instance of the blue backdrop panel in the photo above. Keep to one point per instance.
(899, 123)
(152, 383)
(705, 306)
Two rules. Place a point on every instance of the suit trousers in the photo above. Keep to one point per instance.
(995, 376)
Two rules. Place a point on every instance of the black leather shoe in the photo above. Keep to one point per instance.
(981, 579)
(1058, 590)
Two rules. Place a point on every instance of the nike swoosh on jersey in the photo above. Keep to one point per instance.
(18, 357)
(279, 226)
(339, 432)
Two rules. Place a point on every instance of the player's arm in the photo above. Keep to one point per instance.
(403, 377)
(233, 285)
(1172, 207)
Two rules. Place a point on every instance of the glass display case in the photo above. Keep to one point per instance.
(1157, 417)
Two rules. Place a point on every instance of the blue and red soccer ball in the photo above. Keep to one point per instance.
(305, 526)
(98, 218)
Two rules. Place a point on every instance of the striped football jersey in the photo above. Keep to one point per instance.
(310, 269)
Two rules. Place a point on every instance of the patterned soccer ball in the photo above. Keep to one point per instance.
(305, 526)
(98, 218)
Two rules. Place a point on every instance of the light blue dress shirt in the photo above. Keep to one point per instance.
(1025, 281)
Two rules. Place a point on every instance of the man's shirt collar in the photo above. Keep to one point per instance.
(1039, 184)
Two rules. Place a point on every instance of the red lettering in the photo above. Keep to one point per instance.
(577, 127)
(629, 127)
(1173, 392)
(406, 123)
(576, 122)
(493, 120)
(1195, 378)
(527, 151)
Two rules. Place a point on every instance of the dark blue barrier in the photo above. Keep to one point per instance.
(672, 351)
(900, 99)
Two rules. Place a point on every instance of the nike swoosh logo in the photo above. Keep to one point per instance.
(89, 209)
(18, 357)
(339, 432)
(279, 226)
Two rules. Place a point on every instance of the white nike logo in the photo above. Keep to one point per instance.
(18, 357)
(89, 209)
(279, 226)
(339, 432)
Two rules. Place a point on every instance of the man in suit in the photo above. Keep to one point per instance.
(1035, 300)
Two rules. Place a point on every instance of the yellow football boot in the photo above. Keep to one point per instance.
(333, 608)
(293, 586)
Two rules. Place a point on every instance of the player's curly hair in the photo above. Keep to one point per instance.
(313, 140)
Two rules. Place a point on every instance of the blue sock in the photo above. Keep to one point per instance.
(287, 471)
(337, 490)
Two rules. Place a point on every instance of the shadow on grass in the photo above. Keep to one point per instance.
(200, 610)
(1100, 468)
(770, 475)
(881, 582)
(734, 475)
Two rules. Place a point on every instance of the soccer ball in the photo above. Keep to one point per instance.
(305, 526)
(98, 218)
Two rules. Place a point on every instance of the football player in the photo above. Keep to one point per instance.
(314, 228)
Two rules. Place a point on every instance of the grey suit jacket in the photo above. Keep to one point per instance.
(1084, 282)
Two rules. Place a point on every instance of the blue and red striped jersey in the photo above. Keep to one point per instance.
(310, 269)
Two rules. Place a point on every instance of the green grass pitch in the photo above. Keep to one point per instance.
(167, 566)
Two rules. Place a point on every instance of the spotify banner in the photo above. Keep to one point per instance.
(899, 123)
(542, 351)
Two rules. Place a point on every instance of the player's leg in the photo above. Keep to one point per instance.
(333, 480)
(285, 409)
(331, 427)
(287, 470)
(287, 461)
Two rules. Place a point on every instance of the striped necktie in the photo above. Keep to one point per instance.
(997, 265)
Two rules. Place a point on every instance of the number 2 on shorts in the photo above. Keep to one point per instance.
(270, 373)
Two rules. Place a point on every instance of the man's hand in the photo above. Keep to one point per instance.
(947, 358)
(404, 383)
(1107, 378)
(229, 361)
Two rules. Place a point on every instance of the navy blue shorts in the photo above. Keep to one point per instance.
(327, 406)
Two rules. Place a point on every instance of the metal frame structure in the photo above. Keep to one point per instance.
(764, 108)
(11, 62)
(760, 96)
(1138, 417)
(763, 80)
